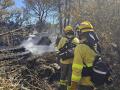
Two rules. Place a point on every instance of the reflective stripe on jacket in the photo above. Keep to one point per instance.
(62, 43)
(82, 53)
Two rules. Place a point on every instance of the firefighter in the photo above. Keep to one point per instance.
(91, 36)
(83, 56)
(66, 64)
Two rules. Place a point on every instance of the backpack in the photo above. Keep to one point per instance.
(67, 51)
(100, 72)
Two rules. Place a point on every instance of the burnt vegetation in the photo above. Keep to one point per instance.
(22, 70)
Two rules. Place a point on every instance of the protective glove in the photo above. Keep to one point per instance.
(74, 85)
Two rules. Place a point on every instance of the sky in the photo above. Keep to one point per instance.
(19, 3)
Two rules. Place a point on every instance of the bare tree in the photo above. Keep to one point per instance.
(40, 9)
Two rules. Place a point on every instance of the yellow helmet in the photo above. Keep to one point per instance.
(85, 26)
(68, 28)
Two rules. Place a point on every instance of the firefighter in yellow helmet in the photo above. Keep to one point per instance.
(92, 38)
(66, 47)
(84, 56)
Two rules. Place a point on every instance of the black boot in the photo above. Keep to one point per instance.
(62, 87)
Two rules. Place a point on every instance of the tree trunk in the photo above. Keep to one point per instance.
(60, 17)
(66, 13)
(69, 11)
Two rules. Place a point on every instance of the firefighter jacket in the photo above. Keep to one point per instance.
(62, 42)
(83, 55)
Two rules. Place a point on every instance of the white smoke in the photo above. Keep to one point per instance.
(30, 45)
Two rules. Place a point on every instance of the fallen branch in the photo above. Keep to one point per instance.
(21, 28)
